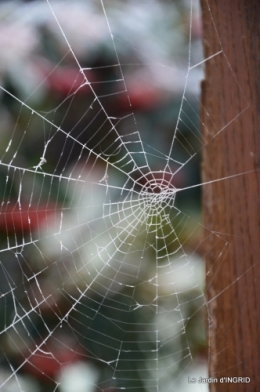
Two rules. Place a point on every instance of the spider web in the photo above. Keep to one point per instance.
(102, 271)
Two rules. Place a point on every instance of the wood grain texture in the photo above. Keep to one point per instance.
(230, 116)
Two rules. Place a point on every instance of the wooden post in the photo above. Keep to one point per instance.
(230, 117)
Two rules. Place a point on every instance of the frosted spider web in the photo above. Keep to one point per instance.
(102, 272)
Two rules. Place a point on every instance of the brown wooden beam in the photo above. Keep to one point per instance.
(230, 117)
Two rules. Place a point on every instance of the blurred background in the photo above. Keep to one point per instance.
(83, 300)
